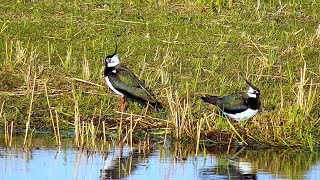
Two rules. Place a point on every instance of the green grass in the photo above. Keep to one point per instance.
(181, 50)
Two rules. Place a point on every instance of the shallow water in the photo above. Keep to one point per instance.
(45, 161)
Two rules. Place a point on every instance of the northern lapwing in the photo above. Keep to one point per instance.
(238, 107)
(124, 83)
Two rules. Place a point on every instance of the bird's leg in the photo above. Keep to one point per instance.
(122, 104)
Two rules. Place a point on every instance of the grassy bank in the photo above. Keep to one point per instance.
(52, 53)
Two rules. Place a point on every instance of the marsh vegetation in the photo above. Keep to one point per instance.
(52, 55)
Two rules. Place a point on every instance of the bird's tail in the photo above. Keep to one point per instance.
(210, 99)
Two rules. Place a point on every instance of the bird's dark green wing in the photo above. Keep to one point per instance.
(128, 84)
(233, 104)
(127, 77)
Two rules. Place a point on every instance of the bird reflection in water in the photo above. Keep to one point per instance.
(121, 162)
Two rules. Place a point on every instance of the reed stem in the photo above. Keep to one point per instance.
(30, 110)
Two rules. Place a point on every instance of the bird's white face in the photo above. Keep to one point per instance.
(113, 61)
(253, 92)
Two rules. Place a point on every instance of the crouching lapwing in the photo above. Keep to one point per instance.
(124, 83)
(238, 107)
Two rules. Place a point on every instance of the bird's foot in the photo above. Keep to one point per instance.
(122, 104)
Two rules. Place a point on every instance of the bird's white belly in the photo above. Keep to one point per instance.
(111, 86)
(243, 115)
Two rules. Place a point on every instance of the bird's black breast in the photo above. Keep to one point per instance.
(108, 70)
(253, 103)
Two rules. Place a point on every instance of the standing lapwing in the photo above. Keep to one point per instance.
(238, 107)
(124, 83)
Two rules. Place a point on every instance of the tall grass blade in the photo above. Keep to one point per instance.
(236, 132)
(30, 110)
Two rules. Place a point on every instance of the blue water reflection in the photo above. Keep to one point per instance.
(157, 162)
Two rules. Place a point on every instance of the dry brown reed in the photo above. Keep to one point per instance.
(51, 115)
(30, 110)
